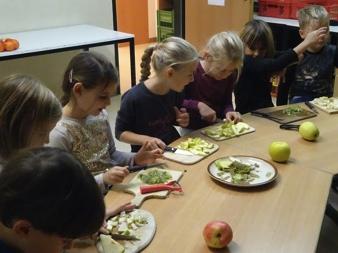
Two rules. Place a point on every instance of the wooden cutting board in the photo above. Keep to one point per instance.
(145, 234)
(133, 187)
(187, 159)
(283, 118)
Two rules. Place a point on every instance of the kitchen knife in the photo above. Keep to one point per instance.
(143, 167)
(289, 127)
(311, 107)
(178, 151)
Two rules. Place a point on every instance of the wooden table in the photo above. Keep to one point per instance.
(61, 39)
(285, 216)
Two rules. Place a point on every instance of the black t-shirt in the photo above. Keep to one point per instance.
(144, 112)
(314, 74)
(5, 249)
(253, 90)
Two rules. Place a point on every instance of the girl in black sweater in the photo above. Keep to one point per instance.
(253, 90)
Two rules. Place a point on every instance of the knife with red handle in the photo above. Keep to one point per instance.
(170, 186)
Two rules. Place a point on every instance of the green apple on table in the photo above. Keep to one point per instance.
(309, 131)
(279, 151)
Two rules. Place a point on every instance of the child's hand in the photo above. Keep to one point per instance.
(182, 117)
(233, 116)
(110, 212)
(147, 154)
(154, 143)
(115, 175)
(317, 36)
(206, 112)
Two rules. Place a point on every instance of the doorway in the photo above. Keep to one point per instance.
(137, 17)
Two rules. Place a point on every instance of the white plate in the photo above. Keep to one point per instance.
(145, 233)
(266, 172)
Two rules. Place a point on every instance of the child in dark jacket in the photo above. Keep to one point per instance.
(313, 75)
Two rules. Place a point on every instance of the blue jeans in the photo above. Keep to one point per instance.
(300, 99)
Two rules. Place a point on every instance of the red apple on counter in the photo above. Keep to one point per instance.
(10, 44)
(2, 46)
(217, 234)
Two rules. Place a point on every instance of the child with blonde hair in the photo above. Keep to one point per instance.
(314, 73)
(150, 109)
(84, 130)
(209, 95)
(253, 90)
(28, 112)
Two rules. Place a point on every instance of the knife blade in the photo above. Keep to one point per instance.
(178, 151)
(143, 167)
(311, 107)
(124, 237)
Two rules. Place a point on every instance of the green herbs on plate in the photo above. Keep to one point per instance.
(237, 171)
(154, 176)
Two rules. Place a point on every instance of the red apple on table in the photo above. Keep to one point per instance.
(217, 234)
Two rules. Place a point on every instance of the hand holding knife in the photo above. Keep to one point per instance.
(178, 151)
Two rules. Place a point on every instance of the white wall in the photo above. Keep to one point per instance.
(21, 15)
(152, 18)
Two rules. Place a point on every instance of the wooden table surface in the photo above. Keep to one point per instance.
(284, 216)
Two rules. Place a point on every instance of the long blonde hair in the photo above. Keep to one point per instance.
(25, 105)
(313, 12)
(226, 46)
(172, 52)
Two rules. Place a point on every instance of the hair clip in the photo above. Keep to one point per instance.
(71, 76)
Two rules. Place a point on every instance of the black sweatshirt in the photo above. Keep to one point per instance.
(253, 90)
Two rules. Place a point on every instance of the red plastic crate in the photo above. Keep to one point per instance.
(275, 8)
(333, 11)
(297, 5)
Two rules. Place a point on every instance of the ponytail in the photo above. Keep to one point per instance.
(172, 52)
(145, 64)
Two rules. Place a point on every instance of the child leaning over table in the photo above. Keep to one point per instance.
(314, 73)
(209, 95)
(84, 130)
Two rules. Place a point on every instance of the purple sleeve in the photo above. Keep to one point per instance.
(190, 104)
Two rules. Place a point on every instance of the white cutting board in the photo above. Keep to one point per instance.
(188, 159)
(324, 108)
(213, 127)
(133, 187)
(145, 234)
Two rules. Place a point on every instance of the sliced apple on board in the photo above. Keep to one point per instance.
(109, 245)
